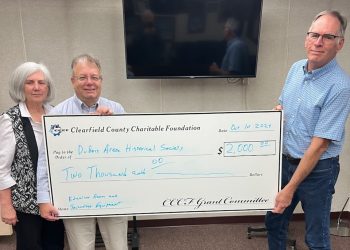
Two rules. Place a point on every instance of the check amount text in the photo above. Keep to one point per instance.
(249, 148)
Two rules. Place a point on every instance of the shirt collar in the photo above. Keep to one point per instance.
(231, 41)
(320, 71)
(24, 110)
(83, 106)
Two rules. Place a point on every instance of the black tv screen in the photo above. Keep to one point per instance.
(191, 38)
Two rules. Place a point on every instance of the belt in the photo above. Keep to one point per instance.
(290, 159)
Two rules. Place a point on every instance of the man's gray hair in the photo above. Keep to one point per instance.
(336, 14)
(232, 24)
(85, 58)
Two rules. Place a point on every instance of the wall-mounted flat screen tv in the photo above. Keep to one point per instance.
(191, 38)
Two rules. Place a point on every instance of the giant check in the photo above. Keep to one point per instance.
(142, 164)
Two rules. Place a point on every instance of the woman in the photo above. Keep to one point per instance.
(21, 136)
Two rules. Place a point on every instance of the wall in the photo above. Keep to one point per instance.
(53, 31)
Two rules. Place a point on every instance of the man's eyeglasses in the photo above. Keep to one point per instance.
(325, 37)
(85, 78)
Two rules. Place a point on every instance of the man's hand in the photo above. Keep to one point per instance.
(104, 111)
(8, 215)
(48, 211)
(278, 107)
(214, 68)
(283, 200)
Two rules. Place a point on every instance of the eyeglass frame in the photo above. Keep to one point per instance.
(85, 78)
(327, 37)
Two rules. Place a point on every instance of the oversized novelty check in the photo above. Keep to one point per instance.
(145, 164)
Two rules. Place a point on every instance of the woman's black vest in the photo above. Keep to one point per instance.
(24, 165)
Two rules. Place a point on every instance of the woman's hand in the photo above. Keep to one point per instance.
(8, 215)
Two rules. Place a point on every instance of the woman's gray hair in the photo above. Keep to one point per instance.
(19, 77)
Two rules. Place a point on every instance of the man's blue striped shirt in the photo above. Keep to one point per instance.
(315, 103)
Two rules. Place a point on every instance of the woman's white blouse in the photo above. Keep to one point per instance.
(8, 143)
